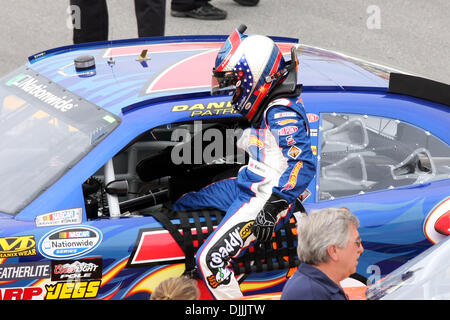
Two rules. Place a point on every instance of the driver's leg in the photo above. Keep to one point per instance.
(219, 195)
(229, 240)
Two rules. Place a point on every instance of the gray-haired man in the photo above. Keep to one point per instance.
(328, 248)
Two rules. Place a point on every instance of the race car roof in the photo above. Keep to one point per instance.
(176, 67)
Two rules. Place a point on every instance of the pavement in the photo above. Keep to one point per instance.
(408, 35)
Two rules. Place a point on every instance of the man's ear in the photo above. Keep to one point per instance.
(332, 252)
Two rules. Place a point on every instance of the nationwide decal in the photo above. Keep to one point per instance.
(38, 90)
(293, 176)
(20, 271)
(209, 109)
(30, 293)
(73, 290)
(62, 217)
(19, 246)
(69, 242)
(287, 130)
(69, 270)
(314, 132)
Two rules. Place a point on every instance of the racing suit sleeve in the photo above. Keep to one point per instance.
(291, 129)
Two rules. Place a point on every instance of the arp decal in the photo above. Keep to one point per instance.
(17, 246)
(31, 293)
(432, 219)
(19, 271)
(68, 270)
(69, 242)
(73, 290)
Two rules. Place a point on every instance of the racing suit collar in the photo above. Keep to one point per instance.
(283, 91)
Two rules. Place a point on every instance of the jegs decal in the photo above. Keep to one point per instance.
(72, 290)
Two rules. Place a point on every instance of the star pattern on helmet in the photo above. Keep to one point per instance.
(247, 81)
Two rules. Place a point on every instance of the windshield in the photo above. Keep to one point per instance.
(425, 277)
(44, 131)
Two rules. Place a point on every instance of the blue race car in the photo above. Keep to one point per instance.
(98, 140)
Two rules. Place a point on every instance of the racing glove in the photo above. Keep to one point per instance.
(264, 224)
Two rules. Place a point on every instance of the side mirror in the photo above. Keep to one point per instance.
(117, 188)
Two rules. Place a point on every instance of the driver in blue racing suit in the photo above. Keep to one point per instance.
(281, 164)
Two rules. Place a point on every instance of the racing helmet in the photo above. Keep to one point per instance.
(248, 67)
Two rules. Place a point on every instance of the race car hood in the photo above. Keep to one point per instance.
(129, 72)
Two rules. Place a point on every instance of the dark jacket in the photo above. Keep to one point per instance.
(309, 283)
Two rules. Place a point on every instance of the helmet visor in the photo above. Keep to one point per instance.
(227, 83)
(223, 82)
